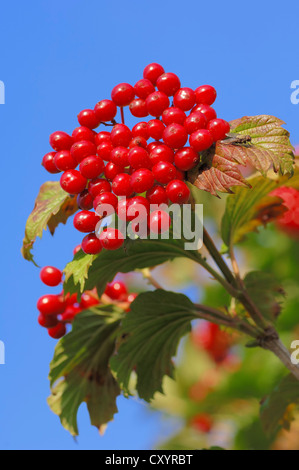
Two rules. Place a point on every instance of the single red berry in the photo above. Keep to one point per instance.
(104, 150)
(123, 94)
(159, 221)
(116, 290)
(178, 192)
(105, 110)
(88, 300)
(85, 200)
(121, 185)
(86, 221)
(157, 195)
(152, 72)
(70, 313)
(138, 108)
(184, 99)
(51, 276)
(83, 149)
(51, 305)
(153, 145)
(58, 331)
(156, 103)
(98, 186)
(168, 83)
(61, 141)
(209, 112)
(83, 133)
(88, 118)
(180, 175)
(103, 136)
(138, 142)
(155, 129)
(175, 136)
(122, 208)
(119, 156)
(111, 239)
(140, 130)
(218, 128)
(47, 321)
(164, 172)
(137, 206)
(143, 88)
(49, 163)
(65, 161)
(173, 115)
(202, 423)
(186, 158)
(205, 94)
(73, 182)
(101, 203)
(92, 166)
(91, 244)
(121, 135)
(201, 140)
(142, 180)
(139, 158)
(161, 153)
(112, 170)
(195, 121)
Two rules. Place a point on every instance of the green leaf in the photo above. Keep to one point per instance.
(276, 408)
(86, 272)
(80, 372)
(152, 330)
(52, 207)
(259, 141)
(265, 292)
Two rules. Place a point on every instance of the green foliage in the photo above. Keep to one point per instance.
(79, 371)
(152, 330)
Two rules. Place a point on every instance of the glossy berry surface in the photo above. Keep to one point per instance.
(86, 221)
(116, 290)
(205, 94)
(178, 192)
(142, 180)
(73, 182)
(201, 140)
(168, 83)
(184, 99)
(105, 110)
(51, 276)
(152, 72)
(122, 94)
(175, 136)
(111, 239)
(218, 128)
(91, 245)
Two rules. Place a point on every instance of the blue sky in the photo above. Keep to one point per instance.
(59, 57)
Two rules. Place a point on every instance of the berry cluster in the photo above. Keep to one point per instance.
(56, 311)
(145, 164)
(289, 221)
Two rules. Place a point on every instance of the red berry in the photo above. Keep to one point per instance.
(141, 130)
(86, 221)
(61, 141)
(123, 94)
(137, 206)
(184, 99)
(156, 103)
(138, 142)
(73, 182)
(91, 244)
(172, 115)
(142, 180)
(83, 149)
(205, 94)
(143, 88)
(49, 163)
(101, 137)
(70, 313)
(102, 202)
(201, 140)
(88, 118)
(121, 135)
(65, 161)
(105, 110)
(175, 136)
(119, 156)
(92, 166)
(186, 158)
(155, 129)
(51, 276)
(116, 290)
(122, 209)
(77, 249)
(164, 172)
(47, 321)
(57, 331)
(289, 221)
(112, 170)
(168, 83)
(178, 192)
(88, 300)
(161, 153)
(209, 112)
(159, 221)
(104, 150)
(202, 423)
(51, 305)
(83, 133)
(138, 108)
(180, 175)
(85, 200)
(157, 195)
(152, 72)
(139, 158)
(98, 186)
(153, 145)
(111, 239)
(195, 121)
(218, 128)
(121, 185)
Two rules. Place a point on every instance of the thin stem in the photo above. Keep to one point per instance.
(122, 115)
(217, 257)
(147, 275)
